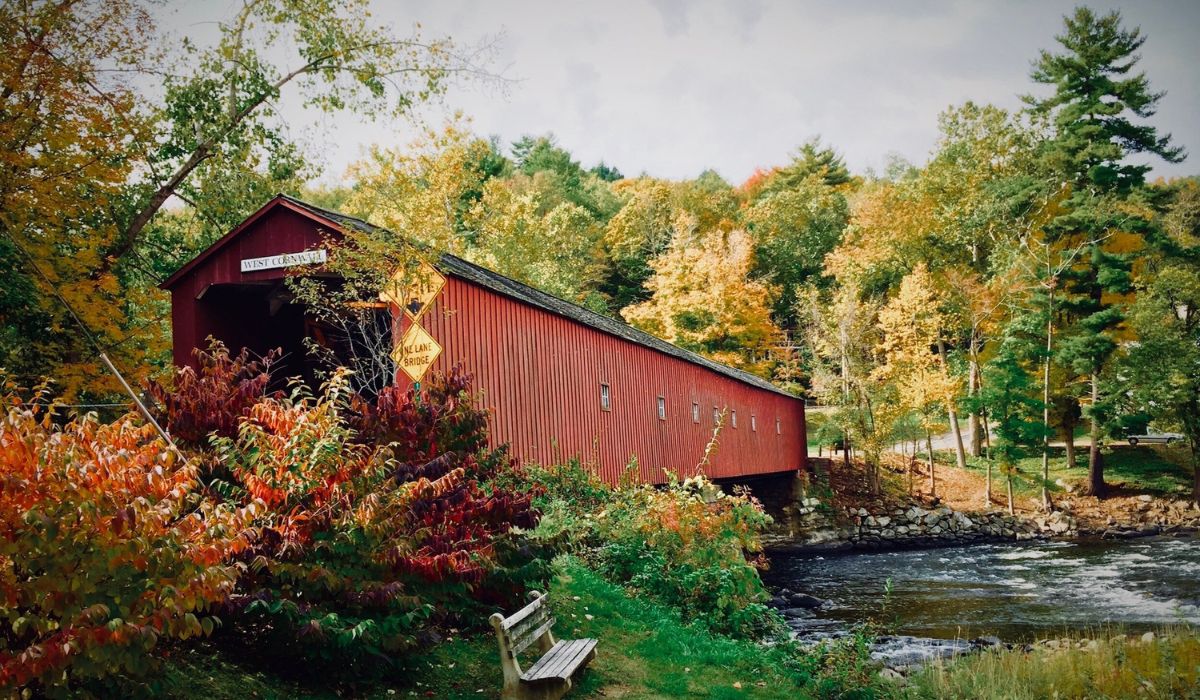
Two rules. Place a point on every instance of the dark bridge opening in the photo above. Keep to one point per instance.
(262, 317)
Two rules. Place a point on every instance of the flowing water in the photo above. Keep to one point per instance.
(1017, 592)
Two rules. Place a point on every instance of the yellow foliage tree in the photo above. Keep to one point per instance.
(704, 301)
(424, 192)
(557, 252)
(912, 323)
(66, 129)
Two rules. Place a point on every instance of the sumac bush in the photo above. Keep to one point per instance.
(380, 520)
(213, 398)
(105, 548)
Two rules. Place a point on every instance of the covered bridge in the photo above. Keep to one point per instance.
(559, 380)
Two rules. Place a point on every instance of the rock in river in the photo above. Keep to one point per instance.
(803, 600)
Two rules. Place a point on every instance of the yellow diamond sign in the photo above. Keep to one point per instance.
(416, 352)
(413, 289)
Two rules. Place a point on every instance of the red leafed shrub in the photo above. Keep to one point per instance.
(368, 534)
(104, 548)
(429, 433)
(212, 399)
(421, 426)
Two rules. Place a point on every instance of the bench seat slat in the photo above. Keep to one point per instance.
(563, 659)
(517, 617)
(558, 660)
(568, 660)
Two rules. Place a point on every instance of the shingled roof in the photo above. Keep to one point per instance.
(513, 289)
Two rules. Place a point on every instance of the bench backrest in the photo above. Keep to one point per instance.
(527, 625)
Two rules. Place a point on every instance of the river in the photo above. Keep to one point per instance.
(1017, 592)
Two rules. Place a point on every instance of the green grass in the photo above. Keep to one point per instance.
(1168, 667)
(1153, 469)
(645, 651)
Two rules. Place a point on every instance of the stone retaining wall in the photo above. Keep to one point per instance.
(813, 525)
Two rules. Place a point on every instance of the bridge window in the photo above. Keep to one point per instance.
(695, 412)
(662, 408)
(778, 426)
(753, 422)
(733, 418)
(605, 401)
(716, 415)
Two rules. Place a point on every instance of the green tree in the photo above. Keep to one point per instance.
(558, 178)
(223, 100)
(1008, 397)
(793, 230)
(811, 159)
(1162, 366)
(1095, 101)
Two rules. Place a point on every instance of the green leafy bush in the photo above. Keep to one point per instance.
(687, 544)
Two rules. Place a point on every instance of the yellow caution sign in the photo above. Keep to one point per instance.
(413, 290)
(416, 352)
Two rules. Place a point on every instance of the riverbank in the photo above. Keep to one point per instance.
(838, 511)
(648, 651)
(1162, 665)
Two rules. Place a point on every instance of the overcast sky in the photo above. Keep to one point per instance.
(670, 88)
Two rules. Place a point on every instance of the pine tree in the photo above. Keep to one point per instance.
(1096, 99)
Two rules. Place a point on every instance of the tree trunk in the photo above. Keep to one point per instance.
(973, 424)
(987, 489)
(1011, 509)
(1046, 505)
(1096, 485)
(1191, 426)
(1195, 471)
(846, 452)
(932, 480)
(960, 454)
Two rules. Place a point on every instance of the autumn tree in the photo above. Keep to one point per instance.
(912, 324)
(557, 251)
(427, 192)
(842, 329)
(1096, 108)
(703, 300)
(637, 234)
(70, 123)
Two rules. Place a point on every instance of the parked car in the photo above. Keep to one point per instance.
(1154, 436)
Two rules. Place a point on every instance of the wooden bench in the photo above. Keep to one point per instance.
(549, 678)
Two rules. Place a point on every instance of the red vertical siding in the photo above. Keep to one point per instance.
(540, 375)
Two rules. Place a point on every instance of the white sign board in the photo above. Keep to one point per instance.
(308, 257)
